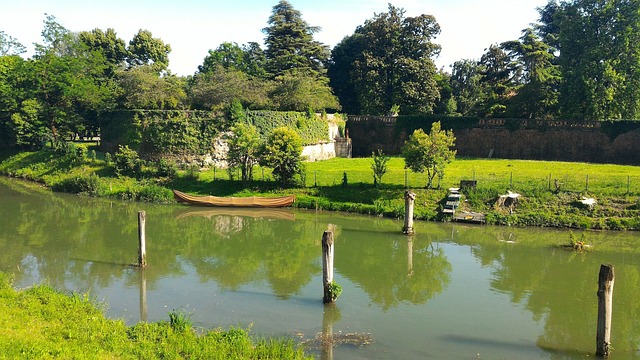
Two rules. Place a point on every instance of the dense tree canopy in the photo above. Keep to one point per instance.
(144, 49)
(387, 63)
(290, 44)
(580, 61)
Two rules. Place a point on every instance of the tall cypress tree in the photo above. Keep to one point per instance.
(290, 44)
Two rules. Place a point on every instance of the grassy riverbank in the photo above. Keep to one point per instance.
(551, 190)
(42, 323)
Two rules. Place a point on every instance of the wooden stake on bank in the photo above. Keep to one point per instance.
(409, 199)
(142, 251)
(327, 265)
(605, 305)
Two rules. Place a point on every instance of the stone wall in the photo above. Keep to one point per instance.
(514, 139)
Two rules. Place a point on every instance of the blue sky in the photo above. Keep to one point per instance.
(192, 27)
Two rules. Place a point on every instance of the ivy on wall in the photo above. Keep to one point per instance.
(311, 128)
(179, 132)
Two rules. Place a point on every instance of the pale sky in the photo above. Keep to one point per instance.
(193, 27)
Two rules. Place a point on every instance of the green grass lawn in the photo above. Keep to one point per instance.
(551, 190)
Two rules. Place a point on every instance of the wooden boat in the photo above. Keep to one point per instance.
(252, 201)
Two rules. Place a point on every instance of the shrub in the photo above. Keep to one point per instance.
(166, 168)
(127, 161)
(83, 184)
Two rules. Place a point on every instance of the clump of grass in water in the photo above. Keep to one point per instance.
(578, 245)
(180, 320)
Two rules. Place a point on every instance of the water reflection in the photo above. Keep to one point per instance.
(414, 285)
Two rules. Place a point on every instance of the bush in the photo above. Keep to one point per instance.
(166, 168)
(83, 184)
(127, 161)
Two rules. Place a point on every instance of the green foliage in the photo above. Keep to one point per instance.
(81, 184)
(217, 88)
(127, 162)
(161, 132)
(282, 153)
(145, 50)
(180, 320)
(334, 290)
(311, 130)
(290, 44)
(248, 59)
(166, 168)
(244, 149)
(143, 88)
(41, 322)
(600, 50)
(299, 92)
(236, 112)
(429, 152)
(387, 62)
(378, 166)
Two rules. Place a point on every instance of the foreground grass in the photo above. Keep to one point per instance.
(551, 190)
(42, 323)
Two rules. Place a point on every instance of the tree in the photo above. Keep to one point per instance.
(378, 166)
(387, 62)
(244, 149)
(500, 78)
(465, 86)
(299, 92)
(218, 87)
(538, 95)
(290, 44)
(598, 44)
(429, 152)
(67, 80)
(144, 49)
(249, 59)
(142, 88)
(281, 152)
(10, 46)
(108, 44)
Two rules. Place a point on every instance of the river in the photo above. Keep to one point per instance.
(451, 291)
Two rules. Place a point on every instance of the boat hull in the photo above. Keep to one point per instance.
(252, 201)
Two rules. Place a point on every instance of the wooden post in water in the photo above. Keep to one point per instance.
(327, 265)
(142, 251)
(409, 199)
(605, 305)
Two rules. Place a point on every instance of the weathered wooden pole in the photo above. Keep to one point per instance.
(409, 199)
(327, 265)
(142, 251)
(605, 305)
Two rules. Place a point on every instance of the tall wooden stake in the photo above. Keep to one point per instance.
(327, 265)
(142, 251)
(605, 305)
(409, 199)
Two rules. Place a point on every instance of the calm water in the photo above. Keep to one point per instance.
(451, 292)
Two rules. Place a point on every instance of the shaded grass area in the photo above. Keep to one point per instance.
(42, 323)
(550, 190)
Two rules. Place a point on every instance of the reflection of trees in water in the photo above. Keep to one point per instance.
(277, 251)
(559, 287)
(377, 261)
